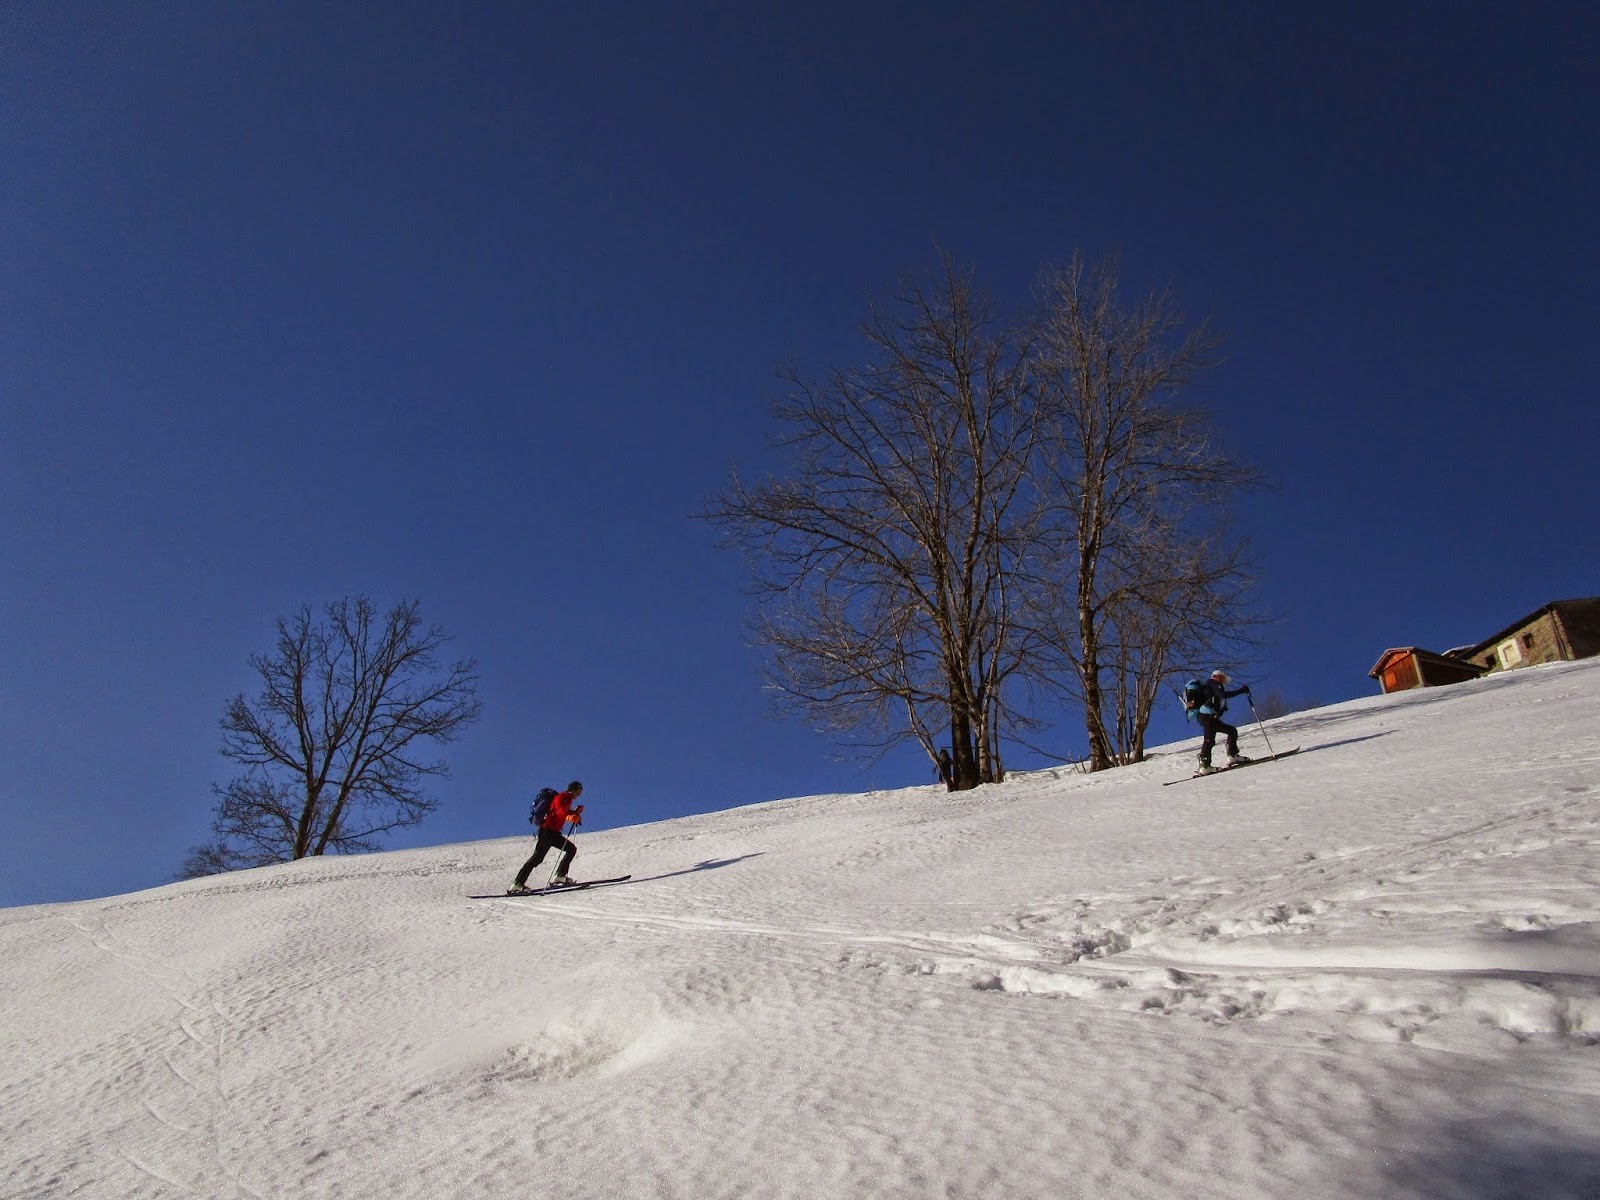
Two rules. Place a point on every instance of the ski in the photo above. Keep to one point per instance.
(1254, 762)
(547, 891)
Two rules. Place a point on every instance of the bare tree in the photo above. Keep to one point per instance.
(1276, 704)
(987, 509)
(332, 746)
(884, 560)
(1144, 571)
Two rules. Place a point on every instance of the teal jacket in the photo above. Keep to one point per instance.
(1213, 696)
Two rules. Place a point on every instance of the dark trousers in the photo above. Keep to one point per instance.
(1213, 726)
(548, 839)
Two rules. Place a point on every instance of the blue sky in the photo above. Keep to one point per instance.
(478, 303)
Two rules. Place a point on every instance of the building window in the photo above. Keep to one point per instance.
(1527, 641)
(1510, 653)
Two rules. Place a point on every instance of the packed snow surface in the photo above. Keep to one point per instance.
(1370, 970)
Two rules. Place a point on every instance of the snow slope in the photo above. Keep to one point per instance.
(1371, 970)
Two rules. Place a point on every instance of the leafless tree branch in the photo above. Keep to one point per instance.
(331, 745)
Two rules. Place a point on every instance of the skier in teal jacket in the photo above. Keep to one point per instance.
(1206, 700)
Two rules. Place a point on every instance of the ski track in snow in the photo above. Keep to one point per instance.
(1338, 934)
(1372, 970)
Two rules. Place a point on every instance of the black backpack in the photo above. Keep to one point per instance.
(541, 806)
(1195, 693)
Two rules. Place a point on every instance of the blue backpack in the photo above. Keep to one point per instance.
(541, 806)
(1195, 693)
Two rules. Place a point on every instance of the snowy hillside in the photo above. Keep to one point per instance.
(1371, 970)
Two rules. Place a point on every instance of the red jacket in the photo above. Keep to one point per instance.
(561, 808)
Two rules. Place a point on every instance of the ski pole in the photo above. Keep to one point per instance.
(1259, 725)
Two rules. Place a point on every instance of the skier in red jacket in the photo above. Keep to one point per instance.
(552, 836)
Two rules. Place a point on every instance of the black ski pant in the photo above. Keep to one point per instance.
(548, 839)
(1213, 726)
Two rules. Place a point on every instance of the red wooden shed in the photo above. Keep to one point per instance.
(1411, 666)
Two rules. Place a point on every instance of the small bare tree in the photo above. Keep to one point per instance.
(884, 559)
(331, 747)
(1139, 559)
(1276, 704)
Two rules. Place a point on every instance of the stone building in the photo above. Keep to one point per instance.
(1560, 631)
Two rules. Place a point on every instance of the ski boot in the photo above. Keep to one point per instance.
(1237, 760)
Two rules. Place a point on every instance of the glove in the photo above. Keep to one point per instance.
(1247, 689)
